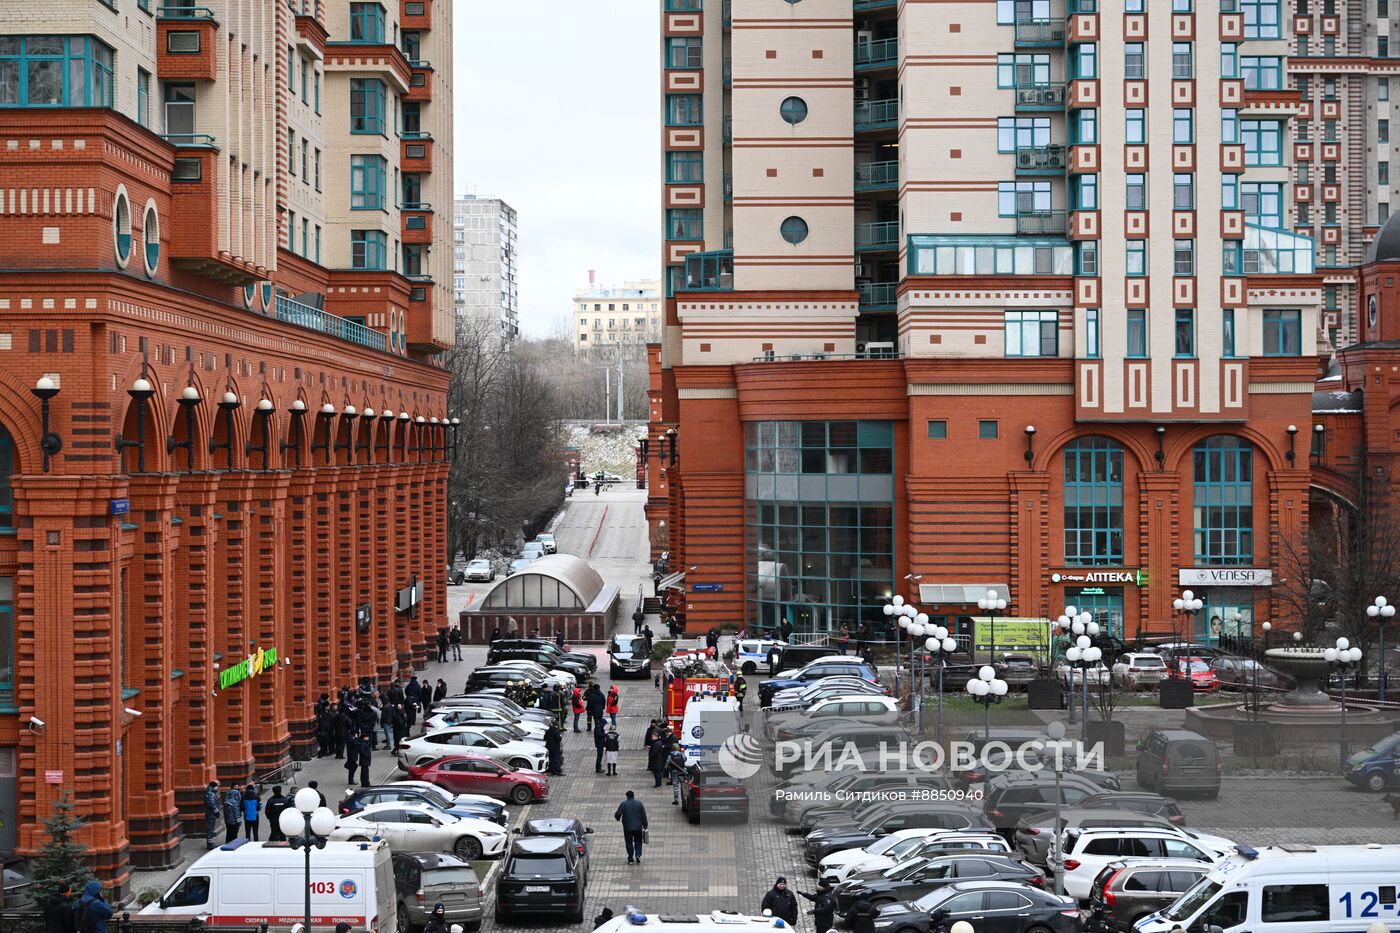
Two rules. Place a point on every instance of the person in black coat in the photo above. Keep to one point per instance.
(365, 746)
(823, 906)
(780, 902)
(342, 729)
(275, 805)
(454, 638)
(352, 758)
(596, 704)
(554, 746)
(440, 692)
(599, 742)
(410, 691)
(400, 723)
(367, 720)
(442, 645)
(425, 695)
(656, 758)
(603, 917)
(58, 911)
(610, 747)
(862, 915)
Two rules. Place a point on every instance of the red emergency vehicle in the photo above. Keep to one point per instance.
(690, 676)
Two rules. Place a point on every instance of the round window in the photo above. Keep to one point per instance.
(794, 230)
(793, 110)
(150, 236)
(121, 228)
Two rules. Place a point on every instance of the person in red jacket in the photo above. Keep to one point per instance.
(613, 700)
(578, 707)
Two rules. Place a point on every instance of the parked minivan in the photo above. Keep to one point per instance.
(1377, 767)
(247, 883)
(1173, 760)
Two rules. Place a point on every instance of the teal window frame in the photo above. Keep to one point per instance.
(1084, 61)
(1135, 126)
(938, 430)
(1009, 63)
(988, 429)
(1262, 203)
(1230, 127)
(685, 52)
(1183, 61)
(1038, 11)
(7, 494)
(1229, 60)
(35, 64)
(1183, 191)
(143, 97)
(684, 6)
(1093, 502)
(1136, 333)
(793, 110)
(1093, 332)
(1009, 196)
(685, 223)
(1383, 131)
(1086, 257)
(1184, 334)
(367, 107)
(1134, 6)
(368, 250)
(1134, 61)
(1227, 332)
(367, 23)
(305, 80)
(316, 89)
(368, 181)
(1183, 257)
(1283, 332)
(1263, 19)
(1022, 133)
(1183, 126)
(1223, 501)
(685, 166)
(292, 152)
(1262, 72)
(1135, 191)
(1263, 142)
(1230, 192)
(685, 110)
(1084, 192)
(1084, 127)
(1135, 258)
(1031, 334)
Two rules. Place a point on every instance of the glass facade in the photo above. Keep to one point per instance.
(1093, 502)
(1223, 500)
(55, 71)
(820, 523)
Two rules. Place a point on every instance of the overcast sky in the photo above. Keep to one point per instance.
(557, 113)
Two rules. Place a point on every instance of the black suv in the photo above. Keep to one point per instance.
(1012, 796)
(563, 828)
(540, 650)
(541, 875)
(914, 878)
(791, 657)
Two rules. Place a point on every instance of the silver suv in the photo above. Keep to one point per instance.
(423, 880)
(1131, 889)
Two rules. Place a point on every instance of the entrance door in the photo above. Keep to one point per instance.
(1105, 602)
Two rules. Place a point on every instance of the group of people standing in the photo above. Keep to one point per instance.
(781, 902)
(242, 808)
(352, 727)
(602, 722)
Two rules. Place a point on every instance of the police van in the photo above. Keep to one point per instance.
(250, 883)
(1289, 889)
(717, 921)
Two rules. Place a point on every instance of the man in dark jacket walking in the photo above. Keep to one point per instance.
(780, 902)
(275, 805)
(823, 906)
(58, 912)
(211, 813)
(633, 816)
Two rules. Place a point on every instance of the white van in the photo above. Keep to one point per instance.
(1289, 889)
(717, 921)
(708, 722)
(247, 883)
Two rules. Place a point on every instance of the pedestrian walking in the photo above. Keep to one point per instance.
(599, 742)
(861, 916)
(741, 687)
(638, 617)
(211, 813)
(843, 638)
(633, 816)
(656, 758)
(677, 770)
(92, 912)
(233, 813)
(252, 810)
(442, 645)
(648, 637)
(576, 702)
(554, 746)
(614, 700)
(610, 748)
(275, 805)
(780, 902)
(454, 638)
(823, 905)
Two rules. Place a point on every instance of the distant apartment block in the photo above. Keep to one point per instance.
(484, 265)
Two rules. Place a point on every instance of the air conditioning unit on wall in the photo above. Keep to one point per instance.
(862, 89)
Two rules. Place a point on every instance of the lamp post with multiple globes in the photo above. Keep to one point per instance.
(306, 825)
(986, 689)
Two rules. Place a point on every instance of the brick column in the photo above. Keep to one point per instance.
(421, 630)
(1030, 543)
(194, 646)
(1288, 520)
(381, 570)
(436, 517)
(1159, 521)
(151, 635)
(234, 625)
(344, 584)
(322, 584)
(306, 682)
(713, 516)
(400, 571)
(65, 604)
(373, 662)
(269, 625)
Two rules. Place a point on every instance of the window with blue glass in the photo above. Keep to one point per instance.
(1263, 203)
(1084, 128)
(1262, 72)
(684, 52)
(367, 23)
(368, 175)
(1135, 126)
(368, 249)
(1084, 192)
(685, 223)
(684, 167)
(1011, 11)
(1183, 191)
(1093, 502)
(1137, 333)
(1183, 126)
(1227, 332)
(1134, 60)
(1022, 69)
(1229, 60)
(1183, 61)
(367, 106)
(1263, 141)
(1135, 257)
(55, 71)
(1262, 19)
(1223, 501)
(143, 97)
(1283, 332)
(1022, 133)
(1230, 192)
(684, 110)
(1023, 197)
(1230, 127)
(1184, 332)
(1091, 333)
(1032, 333)
(1084, 60)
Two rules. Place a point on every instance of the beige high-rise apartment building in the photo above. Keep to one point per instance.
(485, 267)
(624, 317)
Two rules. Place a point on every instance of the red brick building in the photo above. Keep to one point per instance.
(223, 454)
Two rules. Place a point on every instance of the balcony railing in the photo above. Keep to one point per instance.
(415, 206)
(860, 6)
(189, 140)
(710, 272)
(872, 175)
(1037, 160)
(873, 114)
(415, 135)
(879, 53)
(1042, 223)
(1040, 32)
(185, 11)
(876, 296)
(728, 129)
(1040, 96)
(882, 235)
(294, 312)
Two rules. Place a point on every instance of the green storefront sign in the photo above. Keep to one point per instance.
(260, 661)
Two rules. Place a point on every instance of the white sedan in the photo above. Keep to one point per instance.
(455, 798)
(552, 676)
(469, 716)
(841, 864)
(1074, 676)
(417, 827)
(513, 753)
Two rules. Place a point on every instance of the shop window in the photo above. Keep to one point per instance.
(1093, 490)
(1223, 501)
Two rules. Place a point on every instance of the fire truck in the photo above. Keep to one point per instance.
(688, 676)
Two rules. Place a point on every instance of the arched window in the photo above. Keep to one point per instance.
(1093, 502)
(7, 466)
(1223, 500)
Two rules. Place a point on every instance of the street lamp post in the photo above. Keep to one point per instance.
(1188, 605)
(1382, 612)
(1343, 659)
(306, 825)
(939, 644)
(1082, 628)
(986, 689)
(991, 604)
(895, 607)
(917, 628)
(1055, 734)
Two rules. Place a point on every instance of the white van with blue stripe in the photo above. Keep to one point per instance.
(1289, 889)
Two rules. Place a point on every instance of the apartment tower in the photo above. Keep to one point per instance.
(485, 274)
(979, 296)
(223, 426)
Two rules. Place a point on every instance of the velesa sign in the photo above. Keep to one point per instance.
(251, 666)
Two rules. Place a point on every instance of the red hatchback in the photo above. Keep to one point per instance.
(478, 774)
(1203, 679)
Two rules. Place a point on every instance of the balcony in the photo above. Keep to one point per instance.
(1040, 96)
(877, 296)
(186, 47)
(876, 115)
(983, 255)
(877, 176)
(420, 82)
(416, 15)
(879, 53)
(1042, 223)
(1038, 33)
(710, 272)
(417, 224)
(305, 316)
(416, 152)
(177, 10)
(1041, 160)
(877, 236)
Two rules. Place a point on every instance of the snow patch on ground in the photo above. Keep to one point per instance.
(613, 453)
